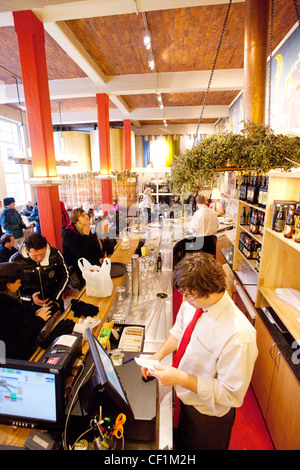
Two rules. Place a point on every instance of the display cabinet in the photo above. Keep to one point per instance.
(278, 257)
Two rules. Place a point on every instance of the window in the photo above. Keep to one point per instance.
(13, 172)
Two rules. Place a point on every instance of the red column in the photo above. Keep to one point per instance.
(104, 148)
(31, 39)
(127, 143)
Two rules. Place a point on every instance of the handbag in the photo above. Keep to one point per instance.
(97, 278)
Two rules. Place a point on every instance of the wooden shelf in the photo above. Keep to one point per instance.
(256, 236)
(288, 241)
(289, 315)
(254, 206)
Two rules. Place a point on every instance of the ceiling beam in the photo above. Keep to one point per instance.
(135, 84)
(92, 8)
(144, 114)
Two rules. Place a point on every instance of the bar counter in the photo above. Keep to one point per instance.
(145, 309)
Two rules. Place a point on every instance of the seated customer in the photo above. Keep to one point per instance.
(7, 248)
(19, 325)
(79, 242)
(45, 271)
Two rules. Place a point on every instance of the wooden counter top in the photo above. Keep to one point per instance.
(16, 436)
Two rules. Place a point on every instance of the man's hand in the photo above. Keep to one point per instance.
(86, 228)
(44, 313)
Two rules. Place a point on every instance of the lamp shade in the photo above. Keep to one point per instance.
(215, 194)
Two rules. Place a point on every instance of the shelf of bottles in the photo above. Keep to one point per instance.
(286, 225)
(76, 189)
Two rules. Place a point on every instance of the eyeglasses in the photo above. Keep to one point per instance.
(187, 296)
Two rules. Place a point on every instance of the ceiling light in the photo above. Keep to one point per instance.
(165, 123)
(151, 62)
(147, 40)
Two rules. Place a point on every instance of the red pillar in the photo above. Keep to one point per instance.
(127, 143)
(104, 148)
(31, 39)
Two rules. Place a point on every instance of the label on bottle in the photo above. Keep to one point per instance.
(288, 231)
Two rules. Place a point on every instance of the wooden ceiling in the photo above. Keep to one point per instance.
(95, 47)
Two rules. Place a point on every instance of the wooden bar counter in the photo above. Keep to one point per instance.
(16, 436)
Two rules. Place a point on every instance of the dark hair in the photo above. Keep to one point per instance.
(201, 273)
(5, 238)
(35, 241)
(76, 213)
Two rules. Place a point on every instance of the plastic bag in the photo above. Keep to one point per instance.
(97, 278)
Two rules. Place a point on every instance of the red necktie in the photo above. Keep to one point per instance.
(186, 338)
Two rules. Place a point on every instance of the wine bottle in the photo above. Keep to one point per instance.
(289, 227)
(243, 217)
(280, 220)
(158, 262)
(265, 193)
(261, 191)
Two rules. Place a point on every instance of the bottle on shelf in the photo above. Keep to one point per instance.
(261, 223)
(250, 190)
(261, 192)
(243, 218)
(255, 190)
(265, 193)
(158, 262)
(297, 214)
(280, 220)
(289, 227)
(249, 215)
(254, 227)
(297, 232)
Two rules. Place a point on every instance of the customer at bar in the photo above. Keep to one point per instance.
(19, 325)
(204, 225)
(217, 359)
(79, 242)
(46, 275)
(7, 248)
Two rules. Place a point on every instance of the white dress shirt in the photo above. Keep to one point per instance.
(204, 221)
(221, 354)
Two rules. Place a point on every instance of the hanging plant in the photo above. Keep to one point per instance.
(257, 148)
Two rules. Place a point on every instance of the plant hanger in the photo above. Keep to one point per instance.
(212, 70)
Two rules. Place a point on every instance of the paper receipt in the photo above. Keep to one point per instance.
(143, 361)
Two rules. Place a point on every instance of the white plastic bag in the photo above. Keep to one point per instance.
(97, 278)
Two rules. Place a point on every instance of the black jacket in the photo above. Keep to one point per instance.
(19, 327)
(77, 246)
(50, 277)
(5, 253)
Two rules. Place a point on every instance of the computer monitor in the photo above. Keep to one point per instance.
(104, 387)
(31, 395)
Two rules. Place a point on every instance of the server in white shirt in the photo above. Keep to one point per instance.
(215, 370)
(204, 225)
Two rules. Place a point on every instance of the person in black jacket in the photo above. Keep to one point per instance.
(7, 248)
(46, 275)
(19, 325)
(79, 242)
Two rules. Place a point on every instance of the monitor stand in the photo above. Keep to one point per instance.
(141, 396)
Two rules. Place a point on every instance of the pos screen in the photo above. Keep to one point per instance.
(31, 395)
(107, 378)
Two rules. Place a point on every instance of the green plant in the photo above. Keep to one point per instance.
(257, 148)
